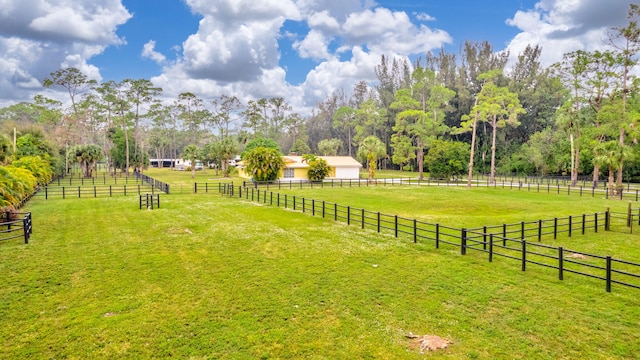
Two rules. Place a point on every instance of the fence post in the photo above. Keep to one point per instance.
(348, 215)
(286, 203)
(25, 228)
(378, 221)
(522, 230)
(335, 212)
(437, 236)
(323, 209)
(608, 273)
(490, 247)
(396, 225)
(595, 222)
(629, 215)
(415, 231)
(539, 230)
(570, 224)
(560, 263)
(555, 228)
(524, 255)
(363, 218)
(607, 220)
(313, 207)
(484, 237)
(504, 234)
(463, 242)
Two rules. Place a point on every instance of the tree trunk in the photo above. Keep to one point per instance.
(492, 177)
(473, 148)
(349, 136)
(621, 162)
(611, 187)
(577, 166)
(574, 172)
(420, 160)
(126, 143)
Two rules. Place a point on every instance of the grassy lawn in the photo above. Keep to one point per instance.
(207, 277)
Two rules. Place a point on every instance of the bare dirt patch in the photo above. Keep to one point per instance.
(427, 342)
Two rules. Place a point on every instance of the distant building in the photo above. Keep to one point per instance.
(340, 167)
(177, 164)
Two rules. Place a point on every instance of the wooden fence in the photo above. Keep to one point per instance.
(16, 225)
(95, 191)
(543, 185)
(155, 184)
(504, 241)
(149, 201)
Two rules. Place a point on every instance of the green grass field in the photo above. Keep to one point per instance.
(208, 277)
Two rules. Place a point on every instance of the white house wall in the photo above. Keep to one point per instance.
(347, 173)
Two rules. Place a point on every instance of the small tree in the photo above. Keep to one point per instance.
(87, 156)
(192, 153)
(447, 158)
(318, 167)
(260, 142)
(329, 147)
(263, 164)
(300, 147)
(370, 150)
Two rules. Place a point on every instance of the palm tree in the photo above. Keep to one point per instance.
(370, 150)
(87, 156)
(605, 156)
(192, 153)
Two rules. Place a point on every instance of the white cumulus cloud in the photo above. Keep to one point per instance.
(40, 36)
(149, 52)
(562, 26)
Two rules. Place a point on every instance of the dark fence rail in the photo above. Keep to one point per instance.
(100, 179)
(156, 184)
(527, 230)
(15, 225)
(507, 243)
(544, 185)
(95, 191)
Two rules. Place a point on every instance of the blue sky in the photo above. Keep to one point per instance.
(303, 50)
(170, 22)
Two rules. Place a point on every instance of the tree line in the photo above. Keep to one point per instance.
(446, 114)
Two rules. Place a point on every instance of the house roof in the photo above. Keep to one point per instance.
(333, 161)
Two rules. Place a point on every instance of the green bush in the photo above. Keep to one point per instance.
(447, 158)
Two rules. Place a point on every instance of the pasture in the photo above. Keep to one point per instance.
(208, 277)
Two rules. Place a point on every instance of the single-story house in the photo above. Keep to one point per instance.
(340, 167)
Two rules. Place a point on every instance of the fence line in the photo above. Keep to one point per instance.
(92, 191)
(95, 180)
(523, 184)
(16, 225)
(155, 184)
(494, 244)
